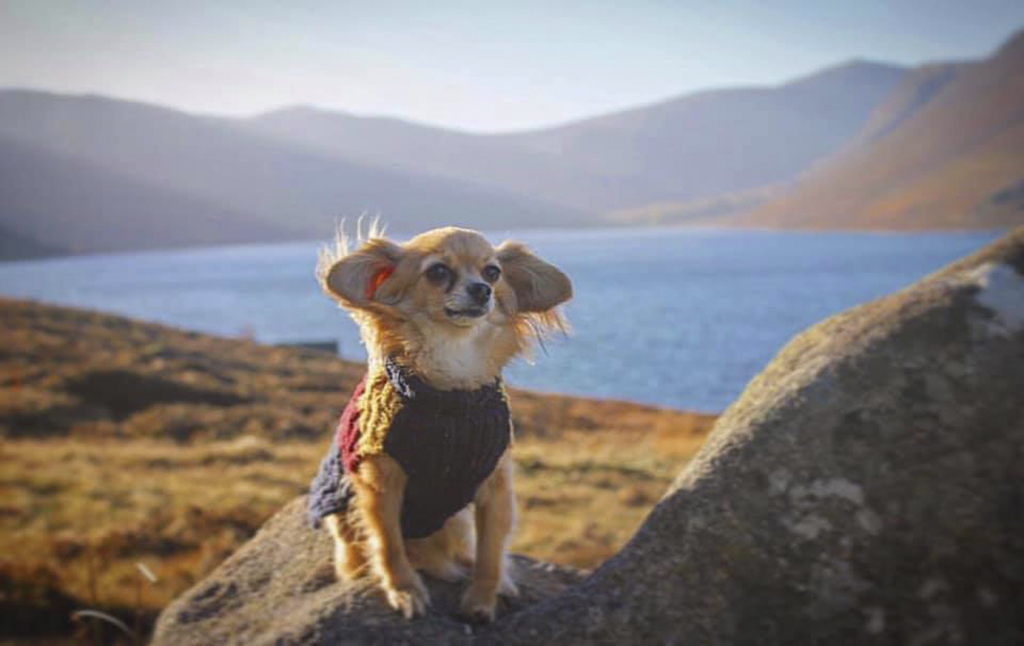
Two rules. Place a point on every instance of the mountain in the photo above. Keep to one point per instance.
(689, 147)
(396, 144)
(944, 150)
(15, 246)
(76, 207)
(704, 211)
(858, 145)
(171, 166)
(89, 173)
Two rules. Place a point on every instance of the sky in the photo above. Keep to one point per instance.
(482, 66)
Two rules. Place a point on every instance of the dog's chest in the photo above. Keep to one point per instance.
(457, 361)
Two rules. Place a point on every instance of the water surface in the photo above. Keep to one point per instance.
(676, 317)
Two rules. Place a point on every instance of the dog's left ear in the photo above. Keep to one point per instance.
(359, 280)
(538, 285)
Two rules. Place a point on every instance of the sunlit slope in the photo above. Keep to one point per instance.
(946, 150)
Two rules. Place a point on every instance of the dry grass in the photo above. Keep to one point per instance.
(127, 442)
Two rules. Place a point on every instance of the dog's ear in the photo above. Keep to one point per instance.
(359, 279)
(538, 285)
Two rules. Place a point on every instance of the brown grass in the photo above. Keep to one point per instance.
(127, 442)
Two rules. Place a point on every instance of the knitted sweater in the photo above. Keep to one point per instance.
(447, 442)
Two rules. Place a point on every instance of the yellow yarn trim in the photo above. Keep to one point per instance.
(378, 406)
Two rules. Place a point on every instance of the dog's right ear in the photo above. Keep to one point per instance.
(358, 278)
(539, 286)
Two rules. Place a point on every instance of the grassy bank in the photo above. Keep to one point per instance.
(128, 443)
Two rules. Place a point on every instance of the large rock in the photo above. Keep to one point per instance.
(279, 588)
(868, 487)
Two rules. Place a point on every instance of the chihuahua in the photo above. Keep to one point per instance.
(419, 476)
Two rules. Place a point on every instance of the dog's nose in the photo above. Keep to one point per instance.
(479, 292)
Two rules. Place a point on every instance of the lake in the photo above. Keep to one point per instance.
(675, 317)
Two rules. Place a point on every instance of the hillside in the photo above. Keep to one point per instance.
(211, 169)
(692, 146)
(706, 211)
(78, 207)
(93, 174)
(16, 246)
(128, 442)
(945, 150)
(861, 145)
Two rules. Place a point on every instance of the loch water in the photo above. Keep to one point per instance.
(675, 317)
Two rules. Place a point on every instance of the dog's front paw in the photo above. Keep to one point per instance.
(508, 587)
(477, 606)
(409, 596)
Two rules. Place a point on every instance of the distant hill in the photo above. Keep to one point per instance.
(693, 146)
(88, 173)
(397, 144)
(77, 207)
(15, 246)
(945, 150)
(145, 168)
(706, 211)
(859, 145)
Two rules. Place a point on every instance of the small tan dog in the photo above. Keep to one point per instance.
(422, 454)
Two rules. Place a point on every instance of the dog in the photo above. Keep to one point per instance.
(420, 476)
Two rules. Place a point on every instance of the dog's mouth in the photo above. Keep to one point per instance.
(468, 313)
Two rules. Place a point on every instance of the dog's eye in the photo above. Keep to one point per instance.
(491, 273)
(439, 273)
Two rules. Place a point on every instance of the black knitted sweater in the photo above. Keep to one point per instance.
(447, 442)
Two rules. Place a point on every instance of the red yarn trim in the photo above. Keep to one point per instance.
(349, 431)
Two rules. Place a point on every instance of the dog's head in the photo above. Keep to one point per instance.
(448, 282)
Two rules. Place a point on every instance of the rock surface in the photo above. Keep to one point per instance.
(867, 487)
(279, 588)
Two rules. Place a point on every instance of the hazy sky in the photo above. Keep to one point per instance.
(478, 65)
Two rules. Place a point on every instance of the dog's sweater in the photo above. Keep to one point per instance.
(447, 441)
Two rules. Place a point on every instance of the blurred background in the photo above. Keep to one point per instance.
(714, 177)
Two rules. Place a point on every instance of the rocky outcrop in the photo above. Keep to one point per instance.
(867, 487)
(279, 588)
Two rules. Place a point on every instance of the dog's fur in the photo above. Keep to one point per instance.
(453, 341)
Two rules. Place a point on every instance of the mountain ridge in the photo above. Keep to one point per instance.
(220, 168)
(653, 152)
(945, 150)
(272, 178)
(749, 156)
(111, 211)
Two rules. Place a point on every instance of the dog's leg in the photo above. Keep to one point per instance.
(380, 486)
(447, 553)
(495, 516)
(348, 553)
(462, 538)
